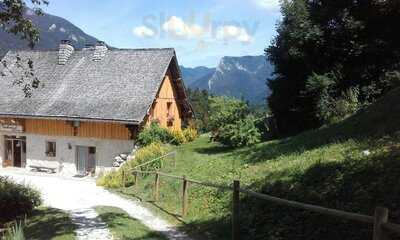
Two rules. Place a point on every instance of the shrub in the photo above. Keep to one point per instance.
(331, 106)
(242, 133)
(114, 179)
(16, 232)
(16, 199)
(178, 137)
(337, 109)
(190, 134)
(224, 111)
(154, 133)
(146, 154)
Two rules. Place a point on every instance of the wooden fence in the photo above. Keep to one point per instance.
(381, 226)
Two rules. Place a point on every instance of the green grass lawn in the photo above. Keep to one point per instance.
(123, 227)
(49, 223)
(327, 167)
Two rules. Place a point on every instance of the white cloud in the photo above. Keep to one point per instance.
(176, 27)
(271, 5)
(231, 32)
(143, 32)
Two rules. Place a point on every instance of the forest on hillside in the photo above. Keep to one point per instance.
(331, 59)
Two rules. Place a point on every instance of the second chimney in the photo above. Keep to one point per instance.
(100, 51)
(64, 52)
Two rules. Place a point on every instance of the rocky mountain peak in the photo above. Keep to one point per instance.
(240, 77)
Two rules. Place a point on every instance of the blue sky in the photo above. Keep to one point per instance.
(201, 31)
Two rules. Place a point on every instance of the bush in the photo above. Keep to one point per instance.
(16, 232)
(338, 109)
(146, 154)
(16, 200)
(114, 179)
(178, 137)
(242, 133)
(224, 111)
(154, 133)
(230, 122)
(330, 105)
(190, 134)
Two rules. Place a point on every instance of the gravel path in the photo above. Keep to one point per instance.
(80, 196)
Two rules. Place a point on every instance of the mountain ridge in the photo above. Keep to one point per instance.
(52, 30)
(242, 77)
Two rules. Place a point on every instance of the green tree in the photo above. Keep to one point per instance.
(241, 133)
(350, 45)
(224, 111)
(13, 20)
(199, 99)
(231, 122)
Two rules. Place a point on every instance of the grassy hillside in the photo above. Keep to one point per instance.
(353, 165)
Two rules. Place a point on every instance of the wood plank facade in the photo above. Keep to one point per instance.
(166, 109)
(101, 130)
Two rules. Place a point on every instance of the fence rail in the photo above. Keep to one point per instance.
(156, 159)
(379, 221)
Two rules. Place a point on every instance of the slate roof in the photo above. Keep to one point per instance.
(120, 87)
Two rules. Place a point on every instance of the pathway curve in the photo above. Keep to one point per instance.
(80, 196)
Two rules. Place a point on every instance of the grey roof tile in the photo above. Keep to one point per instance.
(120, 87)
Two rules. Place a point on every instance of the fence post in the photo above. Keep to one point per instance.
(381, 216)
(136, 179)
(235, 210)
(123, 178)
(184, 197)
(156, 187)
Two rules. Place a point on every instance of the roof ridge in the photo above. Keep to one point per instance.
(140, 49)
(81, 49)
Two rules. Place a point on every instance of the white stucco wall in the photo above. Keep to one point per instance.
(65, 157)
(2, 150)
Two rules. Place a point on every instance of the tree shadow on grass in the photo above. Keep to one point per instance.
(356, 185)
(49, 223)
(128, 228)
(216, 148)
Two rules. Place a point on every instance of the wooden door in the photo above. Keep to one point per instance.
(8, 162)
(17, 152)
(82, 155)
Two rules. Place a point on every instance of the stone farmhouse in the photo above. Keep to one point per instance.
(89, 106)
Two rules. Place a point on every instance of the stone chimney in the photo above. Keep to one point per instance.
(100, 51)
(64, 52)
(88, 47)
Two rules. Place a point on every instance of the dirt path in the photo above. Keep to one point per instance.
(80, 196)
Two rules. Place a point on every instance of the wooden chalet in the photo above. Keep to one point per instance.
(89, 107)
